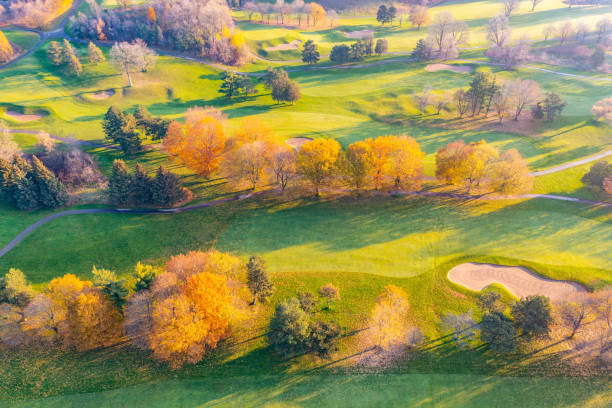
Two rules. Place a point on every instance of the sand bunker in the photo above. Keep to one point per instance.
(293, 45)
(519, 281)
(360, 34)
(102, 95)
(298, 142)
(460, 69)
(22, 117)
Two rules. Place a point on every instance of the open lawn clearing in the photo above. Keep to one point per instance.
(462, 69)
(399, 237)
(520, 282)
(345, 390)
(403, 38)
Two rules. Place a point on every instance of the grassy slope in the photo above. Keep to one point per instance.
(403, 38)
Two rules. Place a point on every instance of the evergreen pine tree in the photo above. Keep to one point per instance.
(257, 279)
(24, 190)
(310, 54)
(119, 183)
(51, 191)
(167, 189)
(141, 186)
(94, 53)
(6, 181)
(422, 52)
(112, 123)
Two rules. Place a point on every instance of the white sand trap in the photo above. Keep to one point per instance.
(519, 281)
(460, 69)
(298, 142)
(293, 45)
(22, 117)
(360, 34)
(102, 95)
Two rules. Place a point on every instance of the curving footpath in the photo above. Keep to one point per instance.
(23, 234)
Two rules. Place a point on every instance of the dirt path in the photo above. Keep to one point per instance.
(519, 281)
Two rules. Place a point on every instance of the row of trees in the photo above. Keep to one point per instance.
(254, 156)
(276, 80)
(30, 185)
(285, 12)
(127, 130)
(65, 56)
(357, 51)
(200, 27)
(163, 190)
(487, 95)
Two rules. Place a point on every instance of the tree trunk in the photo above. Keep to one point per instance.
(127, 71)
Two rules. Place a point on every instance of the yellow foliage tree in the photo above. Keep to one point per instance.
(389, 318)
(358, 164)
(459, 163)
(199, 143)
(317, 159)
(192, 322)
(94, 320)
(405, 164)
(317, 13)
(510, 174)
(382, 147)
(6, 50)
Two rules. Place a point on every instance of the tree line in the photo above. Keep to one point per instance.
(253, 156)
(201, 28)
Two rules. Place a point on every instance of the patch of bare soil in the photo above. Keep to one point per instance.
(360, 34)
(519, 281)
(298, 142)
(293, 45)
(460, 69)
(22, 117)
(102, 95)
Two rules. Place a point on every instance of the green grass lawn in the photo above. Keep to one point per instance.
(403, 38)
(359, 245)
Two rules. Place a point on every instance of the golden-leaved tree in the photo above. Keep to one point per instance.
(358, 164)
(199, 143)
(317, 160)
(74, 314)
(510, 174)
(6, 50)
(389, 318)
(405, 165)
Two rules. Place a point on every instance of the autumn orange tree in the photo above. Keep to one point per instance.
(191, 322)
(6, 50)
(190, 307)
(199, 143)
(316, 161)
(381, 147)
(317, 13)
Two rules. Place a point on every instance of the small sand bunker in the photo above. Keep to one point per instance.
(298, 142)
(360, 34)
(102, 95)
(460, 69)
(293, 45)
(519, 281)
(23, 117)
